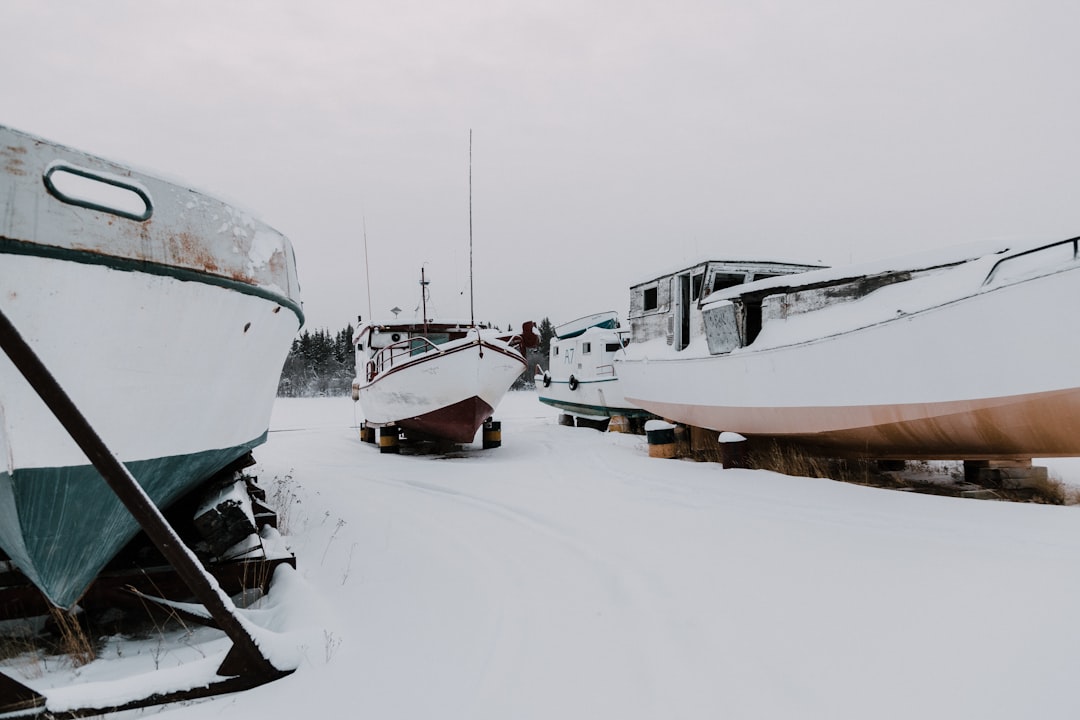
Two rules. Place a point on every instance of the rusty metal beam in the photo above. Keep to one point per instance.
(245, 658)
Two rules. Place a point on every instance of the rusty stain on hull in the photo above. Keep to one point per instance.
(187, 230)
(13, 159)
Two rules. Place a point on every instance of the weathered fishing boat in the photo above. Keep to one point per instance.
(580, 379)
(165, 314)
(435, 379)
(967, 353)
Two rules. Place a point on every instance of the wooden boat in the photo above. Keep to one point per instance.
(165, 314)
(967, 353)
(580, 379)
(435, 380)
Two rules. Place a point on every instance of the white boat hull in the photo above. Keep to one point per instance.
(158, 366)
(973, 378)
(446, 393)
(591, 397)
(581, 378)
(165, 315)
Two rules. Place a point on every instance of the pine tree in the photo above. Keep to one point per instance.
(319, 364)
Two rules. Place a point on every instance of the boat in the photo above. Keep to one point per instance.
(166, 315)
(963, 353)
(435, 379)
(580, 379)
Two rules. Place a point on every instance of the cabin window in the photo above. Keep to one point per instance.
(586, 348)
(612, 347)
(649, 299)
(695, 286)
(753, 319)
(722, 281)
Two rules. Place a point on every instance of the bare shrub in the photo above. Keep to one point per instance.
(284, 498)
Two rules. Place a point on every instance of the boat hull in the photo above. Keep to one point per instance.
(445, 394)
(581, 378)
(175, 406)
(168, 332)
(593, 397)
(973, 378)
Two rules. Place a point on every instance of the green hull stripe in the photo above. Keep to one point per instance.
(583, 409)
(62, 525)
(19, 247)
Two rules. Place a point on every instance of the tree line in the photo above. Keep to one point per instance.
(319, 363)
(322, 363)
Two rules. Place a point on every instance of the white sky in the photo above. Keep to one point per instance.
(611, 140)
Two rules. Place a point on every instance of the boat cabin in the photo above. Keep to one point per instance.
(379, 346)
(670, 306)
(588, 354)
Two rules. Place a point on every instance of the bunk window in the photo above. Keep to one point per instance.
(586, 348)
(649, 299)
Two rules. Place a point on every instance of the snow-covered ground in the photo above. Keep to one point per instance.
(569, 575)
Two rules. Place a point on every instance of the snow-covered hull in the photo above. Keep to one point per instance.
(447, 392)
(990, 373)
(168, 333)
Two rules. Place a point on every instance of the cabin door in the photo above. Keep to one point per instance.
(682, 313)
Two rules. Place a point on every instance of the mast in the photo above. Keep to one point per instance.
(423, 298)
(472, 312)
(367, 267)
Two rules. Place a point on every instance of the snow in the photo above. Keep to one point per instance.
(938, 277)
(567, 574)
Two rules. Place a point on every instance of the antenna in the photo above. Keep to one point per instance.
(472, 312)
(367, 267)
(423, 296)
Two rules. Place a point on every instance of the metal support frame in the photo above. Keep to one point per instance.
(245, 665)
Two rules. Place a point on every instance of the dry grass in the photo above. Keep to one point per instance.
(1052, 491)
(919, 476)
(794, 460)
(73, 641)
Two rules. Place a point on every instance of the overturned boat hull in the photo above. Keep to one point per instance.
(167, 325)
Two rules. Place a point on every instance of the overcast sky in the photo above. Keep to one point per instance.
(611, 140)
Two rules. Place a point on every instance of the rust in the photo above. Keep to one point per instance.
(14, 164)
(189, 251)
(277, 263)
(239, 276)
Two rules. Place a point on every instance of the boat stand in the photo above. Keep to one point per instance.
(244, 665)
